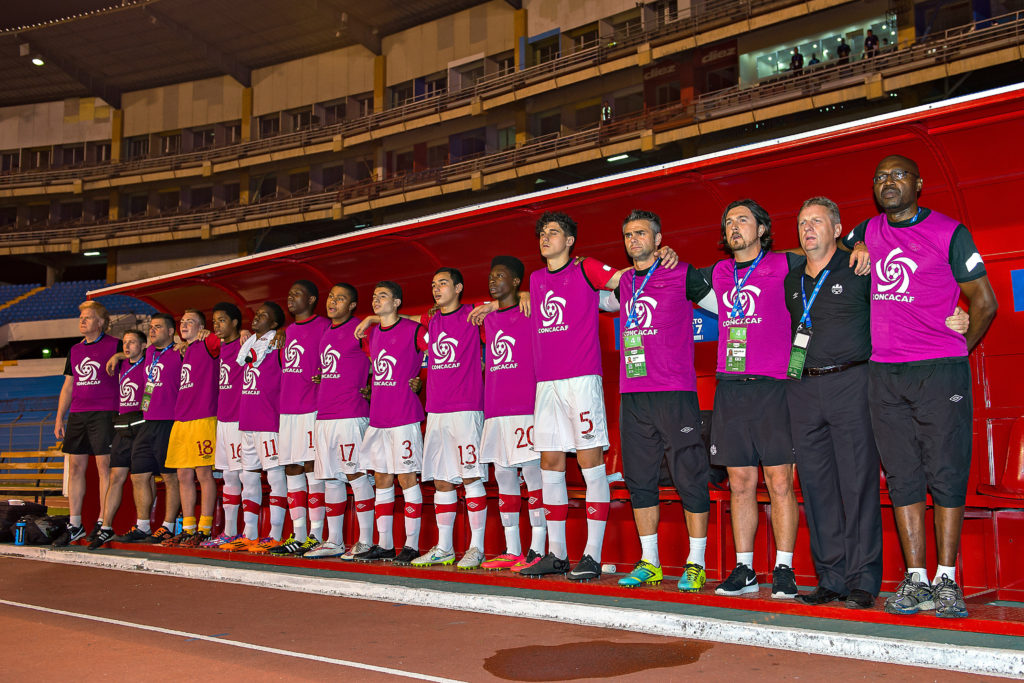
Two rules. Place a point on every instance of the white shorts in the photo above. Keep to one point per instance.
(228, 456)
(260, 450)
(508, 441)
(338, 447)
(393, 450)
(297, 443)
(569, 415)
(451, 447)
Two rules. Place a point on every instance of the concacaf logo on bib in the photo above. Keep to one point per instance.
(128, 389)
(552, 311)
(249, 378)
(748, 303)
(186, 377)
(443, 349)
(225, 377)
(293, 357)
(645, 306)
(383, 368)
(894, 274)
(501, 352)
(87, 371)
(329, 361)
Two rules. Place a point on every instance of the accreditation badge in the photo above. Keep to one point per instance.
(633, 352)
(736, 349)
(798, 354)
(147, 396)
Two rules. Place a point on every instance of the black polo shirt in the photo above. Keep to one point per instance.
(840, 316)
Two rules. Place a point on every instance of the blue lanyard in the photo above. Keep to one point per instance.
(737, 304)
(156, 359)
(632, 318)
(806, 317)
(134, 365)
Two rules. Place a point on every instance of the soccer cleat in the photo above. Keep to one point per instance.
(949, 599)
(587, 569)
(549, 564)
(406, 555)
(503, 561)
(693, 578)
(326, 549)
(289, 546)
(68, 536)
(218, 541)
(238, 544)
(643, 574)
(783, 582)
(434, 556)
(196, 540)
(181, 539)
(531, 558)
(911, 596)
(103, 537)
(376, 554)
(742, 580)
(134, 535)
(263, 546)
(311, 543)
(357, 549)
(161, 534)
(95, 532)
(471, 560)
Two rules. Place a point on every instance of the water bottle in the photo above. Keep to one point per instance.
(19, 533)
(177, 525)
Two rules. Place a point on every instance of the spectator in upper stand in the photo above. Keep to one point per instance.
(870, 44)
(843, 51)
(814, 59)
(796, 62)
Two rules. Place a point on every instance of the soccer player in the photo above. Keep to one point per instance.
(298, 414)
(131, 378)
(343, 415)
(149, 454)
(455, 401)
(258, 419)
(393, 443)
(194, 434)
(659, 416)
(919, 379)
(227, 458)
(509, 392)
(91, 398)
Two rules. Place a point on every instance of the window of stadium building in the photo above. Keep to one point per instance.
(818, 50)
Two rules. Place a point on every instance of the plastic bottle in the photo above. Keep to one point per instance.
(177, 525)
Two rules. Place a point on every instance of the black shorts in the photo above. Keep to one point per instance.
(922, 417)
(150, 449)
(750, 424)
(126, 431)
(89, 433)
(656, 425)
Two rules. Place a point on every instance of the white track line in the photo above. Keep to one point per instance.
(233, 643)
(934, 655)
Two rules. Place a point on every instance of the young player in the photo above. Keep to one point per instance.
(194, 434)
(298, 414)
(507, 439)
(343, 415)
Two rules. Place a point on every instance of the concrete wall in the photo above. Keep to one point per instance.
(183, 105)
(319, 78)
(54, 123)
(544, 15)
(136, 263)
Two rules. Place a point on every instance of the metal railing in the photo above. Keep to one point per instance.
(706, 16)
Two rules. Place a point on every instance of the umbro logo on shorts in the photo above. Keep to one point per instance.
(686, 430)
(588, 436)
(955, 398)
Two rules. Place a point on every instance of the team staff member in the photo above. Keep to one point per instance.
(193, 438)
(659, 414)
(919, 378)
(131, 379)
(91, 397)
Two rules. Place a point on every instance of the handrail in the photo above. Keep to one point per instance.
(715, 13)
(935, 50)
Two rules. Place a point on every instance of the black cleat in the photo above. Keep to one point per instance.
(135, 535)
(550, 564)
(586, 569)
(406, 556)
(376, 554)
(68, 536)
(103, 537)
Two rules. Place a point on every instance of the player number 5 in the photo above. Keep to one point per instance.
(586, 421)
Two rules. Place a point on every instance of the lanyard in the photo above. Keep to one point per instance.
(134, 365)
(806, 317)
(632, 318)
(156, 359)
(737, 304)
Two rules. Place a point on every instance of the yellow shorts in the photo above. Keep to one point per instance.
(192, 444)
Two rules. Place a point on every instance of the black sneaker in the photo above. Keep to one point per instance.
(95, 532)
(742, 580)
(290, 547)
(160, 535)
(549, 564)
(104, 536)
(376, 554)
(783, 582)
(586, 569)
(406, 556)
(135, 535)
(68, 536)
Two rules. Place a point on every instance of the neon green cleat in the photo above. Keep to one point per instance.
(693, 579)
(643, 574)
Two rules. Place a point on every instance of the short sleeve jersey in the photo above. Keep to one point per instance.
(163, 371)
(510, 384)
(92, 388)
(395, 354)
(301, 363)
(344, 370)
(454, 363)
(200, 371)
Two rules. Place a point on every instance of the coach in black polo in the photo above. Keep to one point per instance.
(836, 458)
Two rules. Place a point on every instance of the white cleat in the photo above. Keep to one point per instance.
(471, 560)
(434, 556)
(355, 550)
(326, 549)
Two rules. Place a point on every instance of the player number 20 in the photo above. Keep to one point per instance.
(525, 437)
